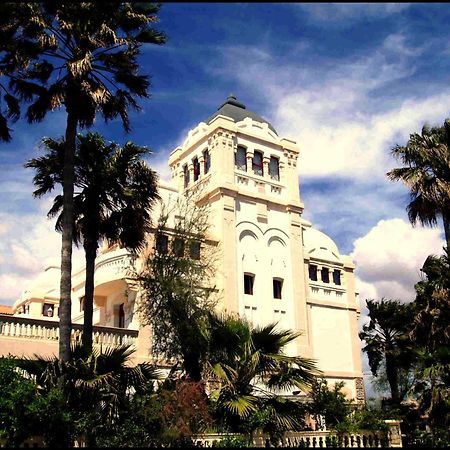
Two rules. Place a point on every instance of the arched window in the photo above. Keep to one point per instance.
(240, 160)
(274, 168)
(207, 161)
(258, 163)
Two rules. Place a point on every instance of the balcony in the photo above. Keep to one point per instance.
(24, 336)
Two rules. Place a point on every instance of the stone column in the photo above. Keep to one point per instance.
(249, 161)
(266, 161)
(394, 433)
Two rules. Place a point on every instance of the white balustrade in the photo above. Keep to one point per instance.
(25, 328)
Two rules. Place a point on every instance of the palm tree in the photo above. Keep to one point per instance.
(115, 196)
(426, 172)
(97, 385)
(249, 369)
(386, 340)
(81, 56)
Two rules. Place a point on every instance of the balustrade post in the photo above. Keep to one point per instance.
(394, 434)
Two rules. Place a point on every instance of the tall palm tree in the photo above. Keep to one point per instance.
(81, 56)
(426, 172)
(386, 340)
(249, 369)
(115, 193)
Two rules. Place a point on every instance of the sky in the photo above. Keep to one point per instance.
(348, 82)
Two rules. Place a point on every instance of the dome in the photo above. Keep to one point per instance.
(319, 245)
(44, 284)
(237, 111)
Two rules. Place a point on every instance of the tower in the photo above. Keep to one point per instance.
(274, 266)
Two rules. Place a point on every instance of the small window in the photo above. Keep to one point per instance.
(274, 168)
(121, 316)
(207, 161)
(258, 163)
(312, 272)
(178, 247)
(194, 250)
(47, 310)
(162, 243)
(241, 159)
(186, 175)
(325, 275)
(277, 287)
(196, 165)
(248, 283)
(337, 277)
(82, 304)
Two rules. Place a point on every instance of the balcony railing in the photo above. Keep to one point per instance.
(26, 328)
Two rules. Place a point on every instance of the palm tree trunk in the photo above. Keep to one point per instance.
(65, 304)
(90, 249)
(392, 376)
(446, 220)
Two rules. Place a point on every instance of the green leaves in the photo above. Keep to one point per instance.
(426, 172)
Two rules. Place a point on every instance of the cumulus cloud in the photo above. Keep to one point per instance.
(389, 258)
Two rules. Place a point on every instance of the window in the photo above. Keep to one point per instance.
(162, 243)
(274, 168)
(277, 287)
(337, 276)
(186, 175)
(207, 161)
(81, 304)
(194, 250)
(121, 316)
(258, 163)
(325, 275)
(248, 283)
(178, 247)
(240, 160)
(196, 165)
(47, 310)
(312, 272)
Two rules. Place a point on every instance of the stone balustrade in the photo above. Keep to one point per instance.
(308, 439)
(48, 330)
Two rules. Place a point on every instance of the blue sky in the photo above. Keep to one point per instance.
(347, 81)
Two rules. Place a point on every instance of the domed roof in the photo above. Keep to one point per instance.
(319, 245)
(44, 284)
(237, 111)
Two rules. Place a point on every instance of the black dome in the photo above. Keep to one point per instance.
(237, 111)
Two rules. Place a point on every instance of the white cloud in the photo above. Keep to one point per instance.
(389, 258)
(349, 12)
(31, 244)
(335, 110)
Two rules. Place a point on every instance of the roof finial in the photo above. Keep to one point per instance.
(231, 97)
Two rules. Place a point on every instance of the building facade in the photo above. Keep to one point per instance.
(272, 266)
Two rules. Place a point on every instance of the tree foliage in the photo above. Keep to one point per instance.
(114, 195)
(387, 341)
(431, 332)
(81, 56)
(250, 372)
(177, 290)
(98, 386)
(426, 172)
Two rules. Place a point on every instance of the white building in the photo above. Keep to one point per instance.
(273, 266)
